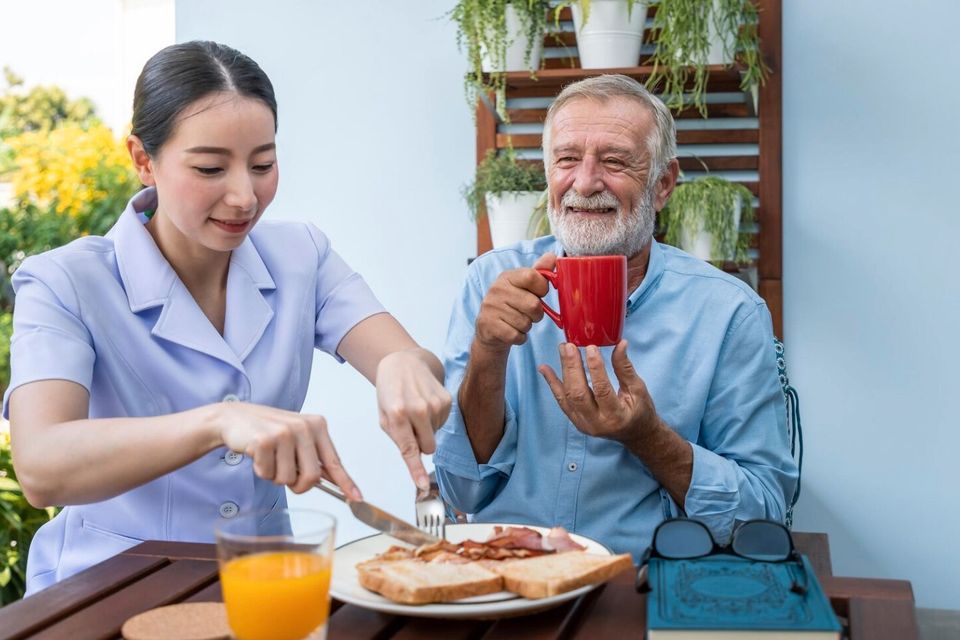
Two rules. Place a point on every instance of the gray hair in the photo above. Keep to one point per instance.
(662, 142)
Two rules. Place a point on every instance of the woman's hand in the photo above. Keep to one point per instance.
(287, 448)
(413, 404)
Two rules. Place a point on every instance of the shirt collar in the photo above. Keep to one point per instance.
(147, 276)
(150, 281)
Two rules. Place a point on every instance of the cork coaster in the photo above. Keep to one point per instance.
(187, 621)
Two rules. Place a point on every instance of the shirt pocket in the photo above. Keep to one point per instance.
(119, 537)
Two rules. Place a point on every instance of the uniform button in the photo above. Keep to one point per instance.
(229, 509)
(233, 458)
(230, 398)
(572, 466)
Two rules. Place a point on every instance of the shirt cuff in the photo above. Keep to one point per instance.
(714, 494)
(455, 453)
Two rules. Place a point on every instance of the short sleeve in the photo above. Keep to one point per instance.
(343, 298)
(50, 340)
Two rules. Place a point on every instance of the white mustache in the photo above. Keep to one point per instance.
(602, 200)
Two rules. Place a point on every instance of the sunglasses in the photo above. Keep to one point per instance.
(757, 540)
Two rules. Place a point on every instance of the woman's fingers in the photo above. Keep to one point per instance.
(308, 460)
(330, 460)
(395, 422)
(286, 457)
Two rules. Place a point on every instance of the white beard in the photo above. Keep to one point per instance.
(622, 233)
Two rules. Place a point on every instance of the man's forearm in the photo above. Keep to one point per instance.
(481, 399)
(668, 457)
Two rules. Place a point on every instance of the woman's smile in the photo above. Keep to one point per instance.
(232, 226)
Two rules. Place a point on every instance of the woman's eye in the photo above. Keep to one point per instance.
(263, 168)
(209, 171)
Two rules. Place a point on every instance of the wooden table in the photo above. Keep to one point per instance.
(95, 603)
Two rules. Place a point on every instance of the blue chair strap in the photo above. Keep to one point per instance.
(794, 428)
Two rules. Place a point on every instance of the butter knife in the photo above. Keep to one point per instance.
(378, 518)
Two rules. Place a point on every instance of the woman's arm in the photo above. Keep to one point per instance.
(62, 457)
(409, 379)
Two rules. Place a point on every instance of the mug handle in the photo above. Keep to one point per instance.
(553, 278)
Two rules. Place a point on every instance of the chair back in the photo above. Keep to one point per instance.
(794, 429)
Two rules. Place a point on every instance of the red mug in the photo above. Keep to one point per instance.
(593, 298)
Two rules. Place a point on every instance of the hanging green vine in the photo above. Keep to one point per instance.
(683, 44)
(482, 29)
(708, 204)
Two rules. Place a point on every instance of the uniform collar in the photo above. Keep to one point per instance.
(150, 281)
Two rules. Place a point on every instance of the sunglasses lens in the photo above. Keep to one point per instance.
(767, 541)
(683, 539)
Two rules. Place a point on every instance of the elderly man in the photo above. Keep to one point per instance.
(683, 416)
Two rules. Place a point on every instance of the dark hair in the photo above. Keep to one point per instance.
(179, 75)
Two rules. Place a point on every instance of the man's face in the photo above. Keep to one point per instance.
(599, 169)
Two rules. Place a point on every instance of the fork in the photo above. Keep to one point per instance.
(431, 511)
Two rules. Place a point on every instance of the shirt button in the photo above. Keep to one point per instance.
(233, 458)
(230, 398)
(572, 466)
(229, 509)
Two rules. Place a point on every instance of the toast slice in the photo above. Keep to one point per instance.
(418, 582)
(553, 574)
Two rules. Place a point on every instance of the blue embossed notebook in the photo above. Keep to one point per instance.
(723, 597)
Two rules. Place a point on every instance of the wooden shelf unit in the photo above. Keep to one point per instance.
(740, 139)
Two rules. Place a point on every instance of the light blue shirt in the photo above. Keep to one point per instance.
(703, 343)
(110, 314)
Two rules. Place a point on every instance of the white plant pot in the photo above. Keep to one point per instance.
(719, 47)
(516, 47)
(700, 244)
(509, 216)
(609, 40)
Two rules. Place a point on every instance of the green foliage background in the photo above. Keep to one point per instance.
(27, 228)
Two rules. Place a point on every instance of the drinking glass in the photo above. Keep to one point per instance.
(275, 573)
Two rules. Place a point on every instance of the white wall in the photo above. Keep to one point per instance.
(375, 144)
(872, 308)
(93, 49)
(375, 140)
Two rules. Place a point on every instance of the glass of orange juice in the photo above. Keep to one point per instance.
(275, 573)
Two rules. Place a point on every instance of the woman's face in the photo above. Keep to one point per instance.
(217, 172)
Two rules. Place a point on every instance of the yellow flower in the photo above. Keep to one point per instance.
(61, 167)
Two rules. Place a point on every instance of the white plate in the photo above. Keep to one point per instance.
(345, 585)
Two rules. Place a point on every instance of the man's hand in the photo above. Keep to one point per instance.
(626, 416)
(512, 305)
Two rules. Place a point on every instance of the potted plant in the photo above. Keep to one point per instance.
(704, 218)
(499, 36)
(540, 222)
(509, 189)
(693, 34)
(609, 32)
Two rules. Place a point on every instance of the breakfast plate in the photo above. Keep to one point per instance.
(345, 585)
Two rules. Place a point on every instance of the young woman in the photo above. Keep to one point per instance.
(158, 372)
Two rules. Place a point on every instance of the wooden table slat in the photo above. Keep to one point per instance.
(872, 618)
(104, 618)
(871, 588)
(816, 546)
(616, 610)
(212, 593)
(351, 622)
(537, 626)
(419, 628)
(179, 550)
(42, 609)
